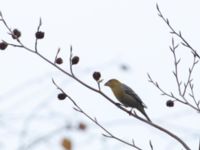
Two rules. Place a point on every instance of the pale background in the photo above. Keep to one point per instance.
(105, 34)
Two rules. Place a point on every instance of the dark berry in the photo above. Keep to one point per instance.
(62, 96)
(170, 103)
(75, 60)
(39, 35)
(3, 45)
(82, 126)
(59, 60)
(16, 34)
(97, 76)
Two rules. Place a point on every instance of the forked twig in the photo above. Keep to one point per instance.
(98, 91)
(178, 34)
(94, 120)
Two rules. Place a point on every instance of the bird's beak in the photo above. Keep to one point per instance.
(106, 84)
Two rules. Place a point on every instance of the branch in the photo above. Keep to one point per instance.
(182, 91)
(10, 32)
(151, 145)
(94, 120)
(176, 62)
(197, 103)
(98, 91)
(171, 95)
(38, 29)
(189, 80)
(178, 34)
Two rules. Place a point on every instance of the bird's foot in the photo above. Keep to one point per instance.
(130, 111)
(118, 104)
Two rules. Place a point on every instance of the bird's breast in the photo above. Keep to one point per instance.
(118, 93)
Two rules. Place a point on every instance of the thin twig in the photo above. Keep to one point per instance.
(99, 84)
(58, 51)
(170, 95)
(151, 145)
(94, 120)
(104, 95)
(11, 33)
(36, 39)
(192, 95)
(70, 61)
(178, 34)
(189, 80)
(182, 91)
(176, 62)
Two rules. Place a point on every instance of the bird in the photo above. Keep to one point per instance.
(127, 96)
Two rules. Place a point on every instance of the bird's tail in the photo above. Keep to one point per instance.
(144, 113)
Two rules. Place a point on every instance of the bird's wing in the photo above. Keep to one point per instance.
(130, 92)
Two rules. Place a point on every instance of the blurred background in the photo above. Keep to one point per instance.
(121, 39)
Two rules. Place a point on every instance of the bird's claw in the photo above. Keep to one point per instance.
(130, 111)
(117, 104)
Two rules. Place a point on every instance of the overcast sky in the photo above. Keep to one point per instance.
(106, 35)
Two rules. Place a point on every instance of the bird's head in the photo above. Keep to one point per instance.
(112, 83)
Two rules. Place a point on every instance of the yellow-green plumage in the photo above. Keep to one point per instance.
(126, 96)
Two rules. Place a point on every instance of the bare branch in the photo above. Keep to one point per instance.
(172, 96)
(192, 95)
(176, 62)
(178, 34)
(36, 39)
(58, 51)
(172, 135)
(70, 61)
(189, 75)
(151, 145)
(94, 120)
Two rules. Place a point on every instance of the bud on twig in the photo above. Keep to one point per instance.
(59, 60)
(96, 76)
(62, 96)
(75, 60)
(16, 34)
(170, 103)
(82, 126)
(39, 35)
(3, 45)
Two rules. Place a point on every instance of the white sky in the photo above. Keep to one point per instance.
(105, 34)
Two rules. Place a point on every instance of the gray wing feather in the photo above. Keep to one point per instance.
(130, 92)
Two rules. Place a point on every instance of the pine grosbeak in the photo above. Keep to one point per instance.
(127, 96)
